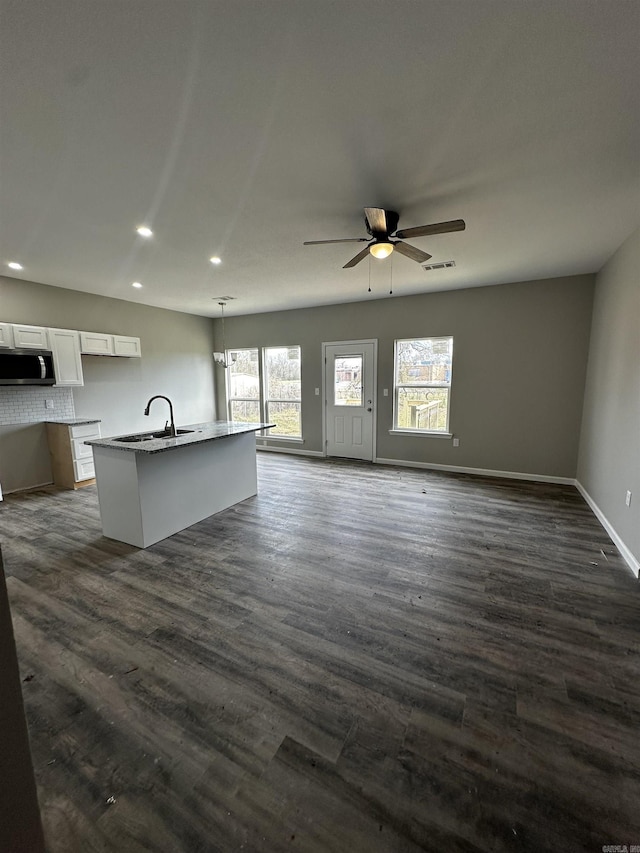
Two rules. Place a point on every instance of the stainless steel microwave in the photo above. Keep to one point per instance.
(26, 367)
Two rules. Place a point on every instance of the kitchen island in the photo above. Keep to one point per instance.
(151, 486)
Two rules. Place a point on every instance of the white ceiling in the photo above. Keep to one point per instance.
(244, 128)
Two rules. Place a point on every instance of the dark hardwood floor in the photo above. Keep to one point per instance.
(361, 658)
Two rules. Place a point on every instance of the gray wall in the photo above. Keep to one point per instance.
(609, 461)
(520, 354)
(176, 356)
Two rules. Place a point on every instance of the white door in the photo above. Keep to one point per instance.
(350, 383)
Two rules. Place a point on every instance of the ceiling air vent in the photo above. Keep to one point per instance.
(223, 298)
(442, 265)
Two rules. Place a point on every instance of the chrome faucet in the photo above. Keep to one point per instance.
(172, 428)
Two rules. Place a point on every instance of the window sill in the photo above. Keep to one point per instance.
(423, 432)
(265, 438)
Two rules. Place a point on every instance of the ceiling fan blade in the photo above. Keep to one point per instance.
(347, 240)
(436, 228)
(377, 219)
(359, 257)
(411, 252)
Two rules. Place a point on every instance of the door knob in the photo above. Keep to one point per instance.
(369, 409)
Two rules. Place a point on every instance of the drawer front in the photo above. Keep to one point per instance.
(83, 469)
(85, 431)
(81, 450)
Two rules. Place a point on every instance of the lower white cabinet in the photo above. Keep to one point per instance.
(71, 459)
(65, 346)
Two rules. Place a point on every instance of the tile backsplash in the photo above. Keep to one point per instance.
(27, 405)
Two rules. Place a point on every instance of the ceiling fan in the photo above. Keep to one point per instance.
(381, 225)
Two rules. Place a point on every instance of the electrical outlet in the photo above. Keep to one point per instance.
(456, 442)
(385, 392)
(627, 499)
(48, 404)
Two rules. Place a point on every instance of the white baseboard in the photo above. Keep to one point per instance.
(28, 488)
(481, 472)
(293, 450)
(626, 554)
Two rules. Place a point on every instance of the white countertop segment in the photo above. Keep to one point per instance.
(201, 433)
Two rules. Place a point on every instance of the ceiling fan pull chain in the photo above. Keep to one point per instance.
(369, 273)
(391, 277)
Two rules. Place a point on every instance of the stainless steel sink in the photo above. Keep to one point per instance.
(149, 436)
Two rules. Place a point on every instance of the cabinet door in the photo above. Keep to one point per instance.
(6, 335)
(96, 343)
(127, 346)
(65, 345)
(30, 337)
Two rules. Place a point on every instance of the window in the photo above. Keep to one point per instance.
(266, 386)
(243, 386)
(422, 384)
(283, 392)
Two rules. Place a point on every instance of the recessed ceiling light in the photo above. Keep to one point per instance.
(144, 231)
(15, 265)
(215, 260)
(136, 284)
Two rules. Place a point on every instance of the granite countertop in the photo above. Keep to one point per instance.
(199, 434)
(73, 421)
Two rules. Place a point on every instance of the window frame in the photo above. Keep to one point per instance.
(230, 399)
(267, 400)
(263, 400)
(439, 386)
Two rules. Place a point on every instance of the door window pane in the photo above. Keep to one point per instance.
(347, 380)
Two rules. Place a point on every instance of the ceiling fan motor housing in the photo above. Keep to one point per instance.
(392, 223)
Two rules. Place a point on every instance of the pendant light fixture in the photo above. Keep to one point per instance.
(220, 358)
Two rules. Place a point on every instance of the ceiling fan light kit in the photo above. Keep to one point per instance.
(381, 225)
(381, 250)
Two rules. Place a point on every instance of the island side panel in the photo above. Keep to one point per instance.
(182, 486)
(118, 495)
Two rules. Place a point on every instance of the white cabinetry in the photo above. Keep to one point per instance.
(71, 459)
(96, 343)
(6, 335)
(127, 346)
(30, 337)
(65, 345)
(100, 343)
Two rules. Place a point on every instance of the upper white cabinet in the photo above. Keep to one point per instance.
(30, 337)
(127, 346)
(96, 343)
(99, 343)
(65, 345)
(6, 335)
